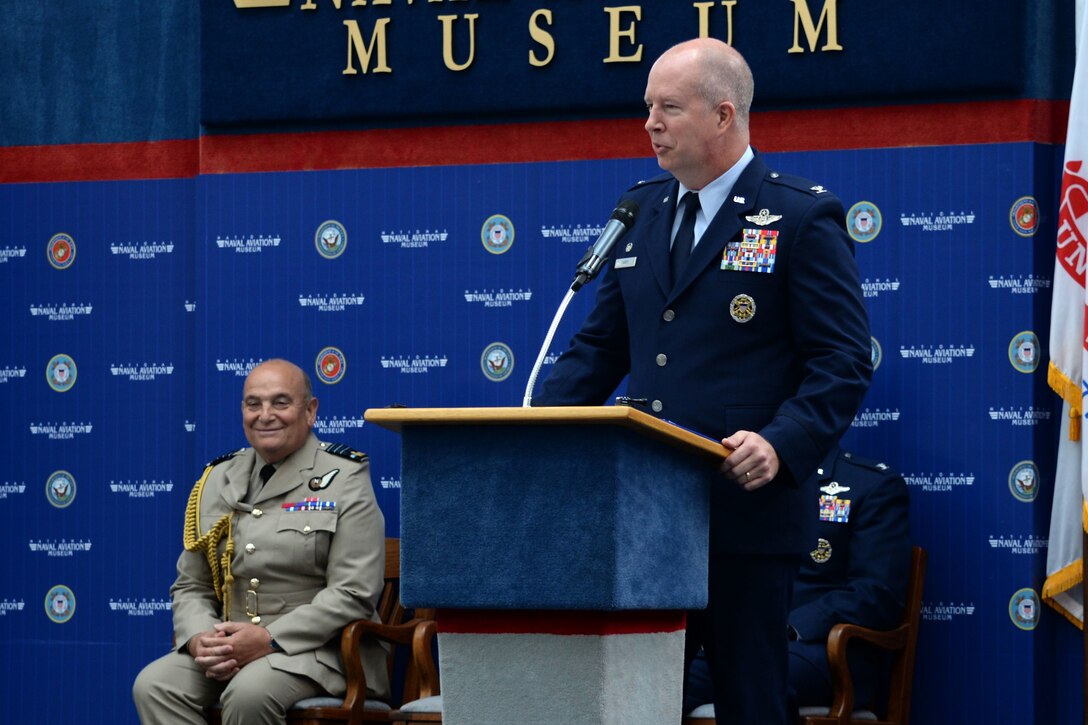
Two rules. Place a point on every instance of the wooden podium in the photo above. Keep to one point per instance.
(561, 547)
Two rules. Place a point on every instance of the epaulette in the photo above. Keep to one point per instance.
(644, 183)
(796, 182)
(866, 463)
(339, 449)
(224, 457)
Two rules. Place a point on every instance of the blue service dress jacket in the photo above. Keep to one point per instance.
(858, 561)
(765, 331)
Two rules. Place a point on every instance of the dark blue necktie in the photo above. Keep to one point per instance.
(685, 236)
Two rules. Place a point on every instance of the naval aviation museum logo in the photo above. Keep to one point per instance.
(1019, 545)
(414, 240)
(60, 313)
(330, 365)
(61, 251)
(873, 288)
(497, 361)
(142, 608)
(7, 253)
(247, 245)
(142, 250)
(1020, 416)
(939, 355)
(873, 418)
(497, 234)
(60, 489)
(141, 371)
(1024, 284)
(60, 431)
(331, 239)
(501, 298)
(1024, 609)
(414, 365)
(1024, 216)
(10, 487)
(939, 222)
(60, 604)
(11, 605)
(61, 373)
(579, 234)
(240, 368)
(1024, 351)
(942, 612)
(54, 547)
(331, 303)
(864, 221)
(8, 372)
(940, 482)
(1024, 481)
(337, 425)
(141, 489)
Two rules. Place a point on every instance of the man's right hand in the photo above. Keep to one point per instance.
(214, 652)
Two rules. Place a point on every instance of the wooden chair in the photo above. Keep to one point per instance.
(902, 641)
(414, 637)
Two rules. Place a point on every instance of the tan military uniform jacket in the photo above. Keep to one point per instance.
(302, 574)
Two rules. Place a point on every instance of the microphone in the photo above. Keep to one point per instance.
(622, 219)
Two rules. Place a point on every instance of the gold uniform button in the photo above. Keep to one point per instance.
(254, 583)
(256, 619)
(306, 529)
(257, 513)
(250, 548)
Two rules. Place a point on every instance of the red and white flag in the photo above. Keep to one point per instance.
(1069, 355)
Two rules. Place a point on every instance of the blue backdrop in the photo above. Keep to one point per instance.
(122, 372)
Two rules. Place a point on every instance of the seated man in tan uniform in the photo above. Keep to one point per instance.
(284, 545)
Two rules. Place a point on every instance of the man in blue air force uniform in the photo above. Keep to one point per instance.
(856, 570)
(758, 337)
(284, 546)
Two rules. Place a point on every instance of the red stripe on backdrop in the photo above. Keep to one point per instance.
(809, 130)
(562, 622)
(99, 161)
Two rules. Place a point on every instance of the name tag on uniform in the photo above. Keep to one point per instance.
(626, 262)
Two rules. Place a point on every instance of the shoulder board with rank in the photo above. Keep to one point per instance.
(339, 449)
(796, 182)
(224, 457)
(659, 179)
(866, 463)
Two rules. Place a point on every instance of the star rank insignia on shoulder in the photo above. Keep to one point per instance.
(339, 449)
(763, 218)
(224, 457)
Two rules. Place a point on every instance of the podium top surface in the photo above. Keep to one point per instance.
(396, 419)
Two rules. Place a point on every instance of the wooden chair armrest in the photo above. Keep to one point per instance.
(843, 684)
(419, 633)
